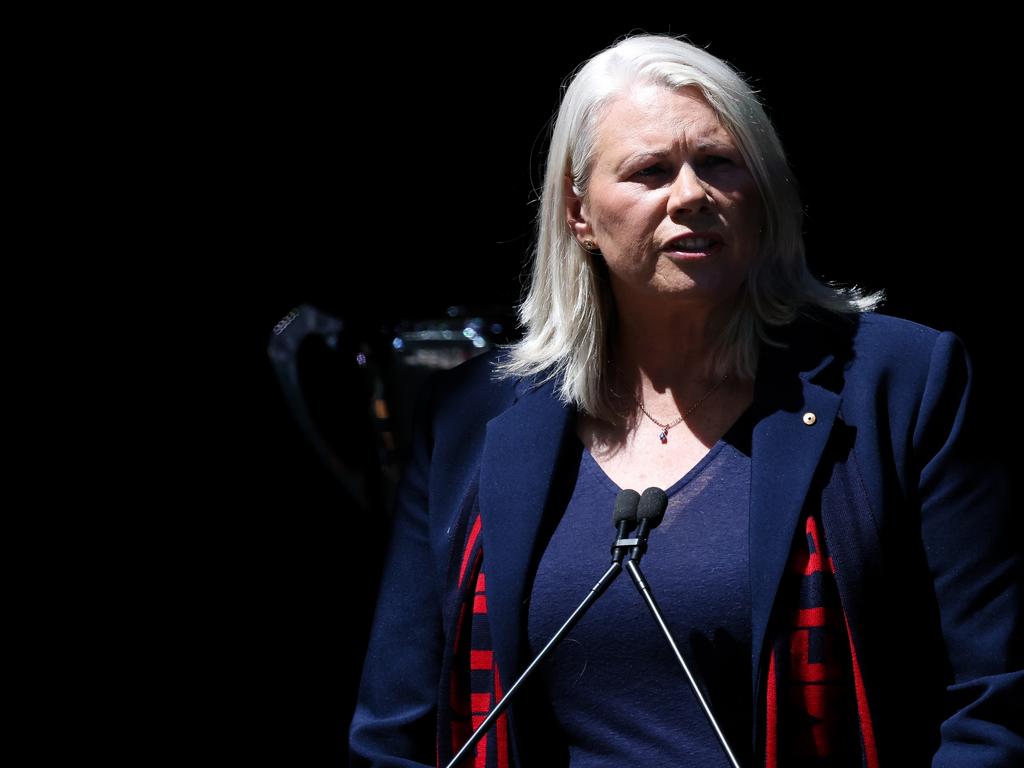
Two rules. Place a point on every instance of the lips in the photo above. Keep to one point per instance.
(685, 240)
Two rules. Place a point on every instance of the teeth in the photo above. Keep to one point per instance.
(691, 243)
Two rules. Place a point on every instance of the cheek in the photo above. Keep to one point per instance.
(745, 212)
(626, 220)
(748, 234)
(606, 214)
(741, 198)
(752, 217)
(608, 223)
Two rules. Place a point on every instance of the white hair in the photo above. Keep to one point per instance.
(569, 311)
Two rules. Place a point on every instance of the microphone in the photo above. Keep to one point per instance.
(650, 512)
(624, 520)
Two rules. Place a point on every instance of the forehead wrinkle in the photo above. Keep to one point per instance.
(633, 135)
(657, 149)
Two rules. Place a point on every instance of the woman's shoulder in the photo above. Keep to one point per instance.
(480, 373)
(872, 358)
(896, 337)
(867, 339)
(472, 390)
(908, 354)
(870, 354)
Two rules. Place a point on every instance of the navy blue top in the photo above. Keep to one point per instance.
(617, 691)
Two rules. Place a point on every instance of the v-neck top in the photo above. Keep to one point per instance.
(617, 691)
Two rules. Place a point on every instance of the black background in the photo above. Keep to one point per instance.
(388, 172)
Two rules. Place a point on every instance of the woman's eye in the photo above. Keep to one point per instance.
(716, 160)
(706, 161)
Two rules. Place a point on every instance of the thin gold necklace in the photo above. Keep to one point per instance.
(663, 435)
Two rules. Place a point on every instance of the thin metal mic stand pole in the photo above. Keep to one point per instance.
(645, 591)
(609, 576)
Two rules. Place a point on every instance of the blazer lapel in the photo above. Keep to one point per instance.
(784, 454)
(797, 401)
(520, 458)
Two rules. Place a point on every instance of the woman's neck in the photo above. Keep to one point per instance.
(660, 357)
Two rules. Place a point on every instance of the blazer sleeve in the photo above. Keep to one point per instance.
(969, 535)
(394, 723)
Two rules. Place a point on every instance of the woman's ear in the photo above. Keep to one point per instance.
(576, 212)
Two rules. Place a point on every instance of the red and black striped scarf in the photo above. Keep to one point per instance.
(816, 711)
(471, 671)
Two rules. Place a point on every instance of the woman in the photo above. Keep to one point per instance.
(833, 560)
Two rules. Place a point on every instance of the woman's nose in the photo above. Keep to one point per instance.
(688, 192)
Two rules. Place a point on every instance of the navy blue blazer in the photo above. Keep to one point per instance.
(918, 510)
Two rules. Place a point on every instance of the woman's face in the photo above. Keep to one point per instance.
(666, 167)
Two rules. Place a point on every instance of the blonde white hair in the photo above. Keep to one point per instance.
(568, 313)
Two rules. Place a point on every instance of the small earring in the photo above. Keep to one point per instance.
(590, 246)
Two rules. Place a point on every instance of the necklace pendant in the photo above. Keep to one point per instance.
(663, 436)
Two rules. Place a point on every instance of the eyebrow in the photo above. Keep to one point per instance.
(702, 145)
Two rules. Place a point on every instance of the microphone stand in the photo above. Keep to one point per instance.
(632, 565)
(596, 591)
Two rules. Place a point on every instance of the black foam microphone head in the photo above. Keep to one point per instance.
(625, 506)
(652, 506)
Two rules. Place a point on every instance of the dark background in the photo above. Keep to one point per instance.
(388, 175)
